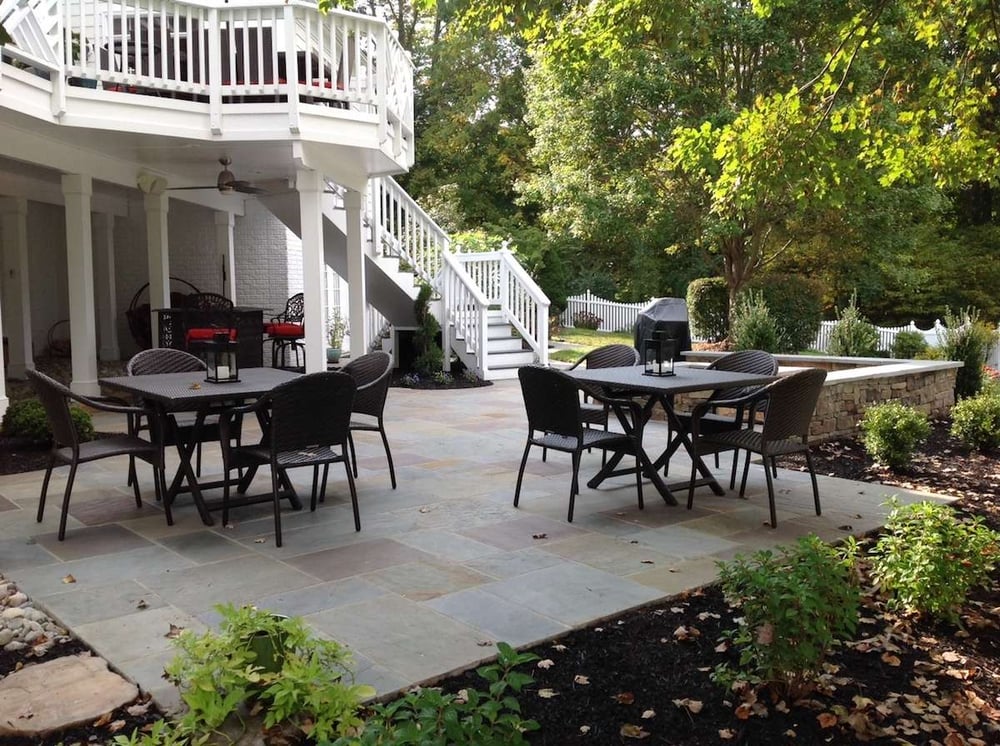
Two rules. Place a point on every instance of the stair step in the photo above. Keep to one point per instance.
(505, 344)
(509, 359)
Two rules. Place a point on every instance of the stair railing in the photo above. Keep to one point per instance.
(503, 282)
(402, 229)
(465, 310)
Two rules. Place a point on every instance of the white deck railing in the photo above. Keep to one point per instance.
(222, 53)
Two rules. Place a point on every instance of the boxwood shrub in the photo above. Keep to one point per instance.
(27, 419)
(708, 308)
(796, 305)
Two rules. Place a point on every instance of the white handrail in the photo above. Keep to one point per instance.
(401, 228)
(466, 308)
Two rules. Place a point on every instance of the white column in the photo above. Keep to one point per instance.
(309, 185)
(225, 242)
(77, 190)
(104, 285)
(158, 256)
(357, 297)
(16, 287)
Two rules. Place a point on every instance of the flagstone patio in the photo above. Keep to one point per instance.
(443, 567)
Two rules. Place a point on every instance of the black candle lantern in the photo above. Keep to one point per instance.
(658, 356)
(220, 359)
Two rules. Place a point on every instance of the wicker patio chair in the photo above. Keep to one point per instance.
(67, 448)
(608, 356)
(371, 373)
(791, 402)
(286, 330)
(306, 423)
(555, 420)
(207, 315)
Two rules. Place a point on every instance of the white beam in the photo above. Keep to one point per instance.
(77, 189)
(104, 285)
(358, 297)
(158, 256)
(309, 185)
(225, 243)
(16, 285)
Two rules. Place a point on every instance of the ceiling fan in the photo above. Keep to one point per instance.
(227, 182)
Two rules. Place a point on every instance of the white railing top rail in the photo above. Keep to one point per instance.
(406, 229)
(455, 264)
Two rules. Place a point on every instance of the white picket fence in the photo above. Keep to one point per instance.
(617, 317)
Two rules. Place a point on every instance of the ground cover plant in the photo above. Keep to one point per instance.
(650, 676)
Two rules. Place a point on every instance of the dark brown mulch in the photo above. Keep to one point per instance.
(645, 677)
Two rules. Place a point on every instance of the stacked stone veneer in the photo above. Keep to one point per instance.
(926, 385)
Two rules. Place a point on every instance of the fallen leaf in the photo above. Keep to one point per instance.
(116, 726)
(547, 693)
(546, 663)
(624, 698)
(581, 679)
(142, 604)
(584, 729)
(424, 510)
(890, 659)
(484, 643)
(559, 648)
(261, 540)
(632, 731)
(691, 705)
(744, 711)
(175, 632)
(138, 710)
(727, 734)
(950, 656)
(69, 579)
(540, 536)
(647, 714)
(103, 720)
(826, 719)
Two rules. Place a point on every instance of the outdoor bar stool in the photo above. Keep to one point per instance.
(208, 314)
(286, 331)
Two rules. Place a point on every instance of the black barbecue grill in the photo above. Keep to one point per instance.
(667, 317)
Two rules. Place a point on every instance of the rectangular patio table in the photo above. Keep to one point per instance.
(631, 382)
(168, 393)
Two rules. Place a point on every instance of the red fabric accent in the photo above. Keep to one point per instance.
(282, 329)
(207, 335)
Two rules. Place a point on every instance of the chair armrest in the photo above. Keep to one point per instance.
(109, 404)
(750, 400)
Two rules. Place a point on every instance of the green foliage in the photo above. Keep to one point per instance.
(795, 303)
(975, 420)
(853, 335)
(430, 717)
(928, 559)
(968, 339)
(891, 431)
(586, 320)
(753, 326)
(796, 604)
(430, 357)
(27, 419)
(295, 677)
(335, 329)
(708, 308)
(908, 344)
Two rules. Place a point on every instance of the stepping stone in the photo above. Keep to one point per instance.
(60, 694)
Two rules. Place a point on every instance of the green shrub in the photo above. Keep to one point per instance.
(430, 357)
(853, 335)
(27, 419)
(976, 420)
(586, 320)
(968, 339)
(908, 344)
(754, 327)
(469, 718)
(796, 305)
(891, 431)
(708, 308)
(795, 603)
(928, 560)
(294, 677)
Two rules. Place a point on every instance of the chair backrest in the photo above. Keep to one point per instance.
(371, 373)
(311, 410)
(551, 401)
(791, 404)
(744, 361)
(295, 310)
(610, 356)
(208, 302)
(55, 399)
(163, 360)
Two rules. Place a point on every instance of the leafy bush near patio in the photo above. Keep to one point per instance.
(586, 320)
(27, 419)
(795, 303)
(796, 603)
(708, 308)
(853, 335)
(891, 431)
(467, 718)
(908, 344)
(430, 357)
(295, 678)
(967, 338)
(928, 559)
(754, 326)
(976, 421)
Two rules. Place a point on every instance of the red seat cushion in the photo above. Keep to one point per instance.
(282, 329)
(207, 335)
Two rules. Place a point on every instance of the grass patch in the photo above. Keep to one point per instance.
(583, 341)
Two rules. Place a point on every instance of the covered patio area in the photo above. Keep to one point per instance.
(443, 567)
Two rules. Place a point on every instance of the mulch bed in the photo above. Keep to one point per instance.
(645, 677)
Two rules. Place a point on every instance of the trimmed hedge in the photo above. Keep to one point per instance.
(796, 305)
(708, 308)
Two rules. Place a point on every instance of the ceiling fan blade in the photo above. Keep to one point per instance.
(181, 189)
(247, 188)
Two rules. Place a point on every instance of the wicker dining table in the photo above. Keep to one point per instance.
(169, 393)
(632, 382)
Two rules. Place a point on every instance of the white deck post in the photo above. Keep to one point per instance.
(225, 242)
(77, 190)
(358, 297)
(104, 282)
(157, 254)
(309, 185)
(16, 287)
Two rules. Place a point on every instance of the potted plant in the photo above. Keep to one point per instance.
(336, 329)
